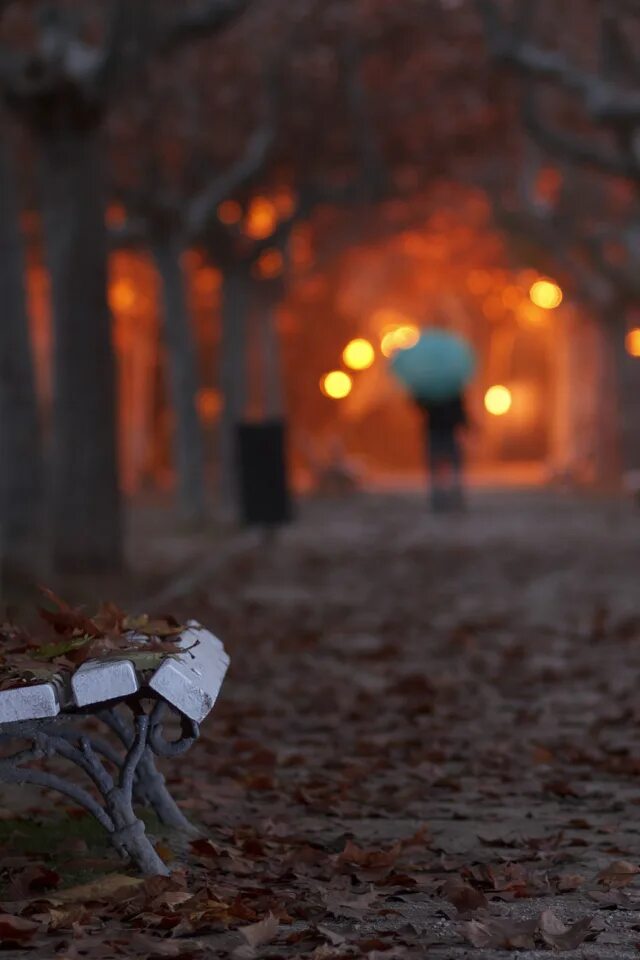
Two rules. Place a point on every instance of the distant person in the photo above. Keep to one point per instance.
(443, 422)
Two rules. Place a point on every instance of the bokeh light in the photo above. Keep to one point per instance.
(545, 294)
(336, 384)
(399, 338)
(497, 400)
(229, 211)
(122, 295)
(209, 403)
(632, 342)
(270, 264)
(358, 354)
(262, 218)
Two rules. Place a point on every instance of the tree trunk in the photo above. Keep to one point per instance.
(273, 390)
(20, 438)
(627, 374)
(183, 376)
(235, 304)
(607, 408)
(85, 495)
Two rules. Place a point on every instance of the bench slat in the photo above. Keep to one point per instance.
(191, 681)
(34, 702)
(98, 680)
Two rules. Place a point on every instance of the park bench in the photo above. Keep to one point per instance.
(130, 694)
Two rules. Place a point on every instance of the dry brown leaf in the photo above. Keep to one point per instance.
(257, 934)
(16, 929)
(555, 934)
(496, 933)
(465, 898)
(620, 873)
(334, 938)
(341, 903)
(567, 882)
(373, 859)
(115, 886)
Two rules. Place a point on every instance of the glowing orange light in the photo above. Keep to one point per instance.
(388, 318)
(399, 338)
(209, 403)
(284, 202)
(632, 342)
(261, 219)
(301, 246)
(229, 211)
(337, 384)
(358, 354)
(528, 315)
(479, 282)
(545, 294)
(207, 280)
(512, 297)
(269, 264)
(498, 400)
(122, 295)
(493, 307)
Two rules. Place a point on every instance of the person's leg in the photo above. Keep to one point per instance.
(456, 461)
(437, 461)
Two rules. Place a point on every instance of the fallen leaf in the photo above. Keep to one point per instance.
(16, 929)
(204, 847)
(494, 933)
(567, 882)
(115, 886)
(620, 873)
(341, 903)
(257, 934)
(332, 936)
(464, 897)
(556, 934)
(373, 859)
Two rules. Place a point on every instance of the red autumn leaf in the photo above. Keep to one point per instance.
(373, 859)
(465, 898)
(16, 929)
(204, 847)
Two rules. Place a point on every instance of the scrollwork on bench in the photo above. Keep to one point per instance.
(119, 778)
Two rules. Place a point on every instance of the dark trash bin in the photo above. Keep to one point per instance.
(264, 489)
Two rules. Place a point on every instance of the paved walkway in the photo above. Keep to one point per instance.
(428, 743)
(455, 696)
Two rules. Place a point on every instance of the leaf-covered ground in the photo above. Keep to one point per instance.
(427, 745)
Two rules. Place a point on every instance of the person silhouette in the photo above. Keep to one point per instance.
(443, 422)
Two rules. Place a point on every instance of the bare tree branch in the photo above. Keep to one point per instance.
(603, 100)
(573, 148)
(204, 206)
(372, 174)
(197, 21)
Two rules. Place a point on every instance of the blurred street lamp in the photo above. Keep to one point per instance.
(399, 338)
(358, 354)
(497, 400)
(336, 384)
(270, 264)
(262, 218)
(632, 342)
(545, 294)
(122, 295)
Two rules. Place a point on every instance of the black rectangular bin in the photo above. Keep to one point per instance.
(264, 488)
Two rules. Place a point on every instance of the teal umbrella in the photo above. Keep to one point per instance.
(437, 367)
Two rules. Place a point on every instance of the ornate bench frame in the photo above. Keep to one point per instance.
(188, 682)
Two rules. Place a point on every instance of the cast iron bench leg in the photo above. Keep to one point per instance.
(116, 815)
(149, 786)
